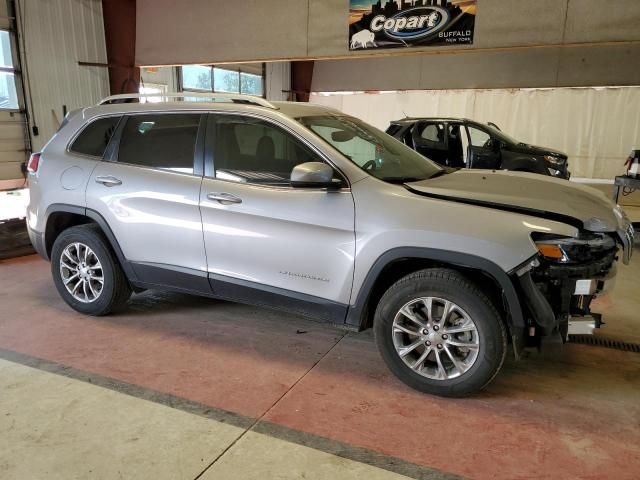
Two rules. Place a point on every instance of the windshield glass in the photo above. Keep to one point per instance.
(370, 149)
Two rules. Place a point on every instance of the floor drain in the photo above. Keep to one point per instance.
(604, 342)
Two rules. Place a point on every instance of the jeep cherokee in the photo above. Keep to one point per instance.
(300, 207)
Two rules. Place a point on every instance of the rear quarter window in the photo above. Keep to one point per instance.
(393, 129)
(95, 137)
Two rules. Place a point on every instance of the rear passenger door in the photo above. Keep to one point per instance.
(147, 190)
(266, 241)
(429, 139)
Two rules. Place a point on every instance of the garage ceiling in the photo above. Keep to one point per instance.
(222, 31)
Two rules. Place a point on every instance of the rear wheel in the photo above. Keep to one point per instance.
(439, 333)
(86, 273)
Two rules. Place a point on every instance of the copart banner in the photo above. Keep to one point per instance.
(410, 23)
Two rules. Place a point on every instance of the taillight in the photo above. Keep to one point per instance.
(32, 164)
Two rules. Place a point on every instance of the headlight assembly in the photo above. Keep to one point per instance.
(572, 250)
(558, 162)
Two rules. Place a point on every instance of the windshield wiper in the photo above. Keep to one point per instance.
(401, 179)
(444, 171)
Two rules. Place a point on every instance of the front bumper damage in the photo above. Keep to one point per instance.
(557, 297)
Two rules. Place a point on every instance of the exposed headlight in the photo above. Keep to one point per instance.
(554, 160)
(572, 250)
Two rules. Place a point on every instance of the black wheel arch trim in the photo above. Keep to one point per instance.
(356, 315)
(104, 226)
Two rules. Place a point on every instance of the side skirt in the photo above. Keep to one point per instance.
(196, 282)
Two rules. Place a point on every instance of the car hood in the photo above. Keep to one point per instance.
(536, 150)
(529, 193)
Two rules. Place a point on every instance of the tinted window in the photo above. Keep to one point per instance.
(251, 150)
(393, 128)
(93, 140)
(162, 141)
(432, 132)
(478, 137)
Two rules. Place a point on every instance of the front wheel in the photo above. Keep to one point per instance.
(438, 333)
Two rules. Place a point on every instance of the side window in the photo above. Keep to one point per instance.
(93, 140)
(254, 151)
(479, 138)
(433, 133)
(166, 141)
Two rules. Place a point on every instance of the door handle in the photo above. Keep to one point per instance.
(108, 181)
(224, 198)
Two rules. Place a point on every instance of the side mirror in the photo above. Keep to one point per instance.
(313, 175)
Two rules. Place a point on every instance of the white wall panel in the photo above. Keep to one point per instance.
(278, 80)
(58, 34)
(597, 127)
(12, 127)
(12, 145)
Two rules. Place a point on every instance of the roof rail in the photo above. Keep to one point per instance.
(182, 96)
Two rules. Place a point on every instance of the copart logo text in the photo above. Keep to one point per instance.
(413, 24)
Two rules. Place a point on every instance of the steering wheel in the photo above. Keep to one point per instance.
(370, 165)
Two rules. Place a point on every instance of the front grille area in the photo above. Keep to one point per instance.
(591, 269)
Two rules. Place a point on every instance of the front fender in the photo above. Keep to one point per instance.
(393, 222)
(355, 315)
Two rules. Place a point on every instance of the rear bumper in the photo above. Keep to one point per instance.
(37, 240)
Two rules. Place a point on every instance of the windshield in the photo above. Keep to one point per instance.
(370, 149)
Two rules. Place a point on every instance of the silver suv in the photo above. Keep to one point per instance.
(303, 208)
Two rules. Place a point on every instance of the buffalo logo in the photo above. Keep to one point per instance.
(362, 39)
(412, 24)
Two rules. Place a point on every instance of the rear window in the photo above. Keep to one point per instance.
(93, 140)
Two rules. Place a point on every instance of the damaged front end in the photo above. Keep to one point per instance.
(558, 285)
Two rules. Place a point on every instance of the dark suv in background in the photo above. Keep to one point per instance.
(460, 143)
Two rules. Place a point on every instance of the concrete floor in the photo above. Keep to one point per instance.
(185, 387)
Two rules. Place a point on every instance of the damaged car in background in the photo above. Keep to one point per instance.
(464, 143)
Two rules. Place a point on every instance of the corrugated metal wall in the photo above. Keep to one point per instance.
(58, 34)
(12, 146)
(12, 128)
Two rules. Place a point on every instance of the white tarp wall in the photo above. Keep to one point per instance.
(596, 127)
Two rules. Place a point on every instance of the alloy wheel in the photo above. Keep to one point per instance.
(81, 272)
(436, 338)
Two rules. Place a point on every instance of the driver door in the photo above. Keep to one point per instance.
(482, 149)
(265, 241)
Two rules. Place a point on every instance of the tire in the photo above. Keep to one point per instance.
(92, 298)
(473, 325)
